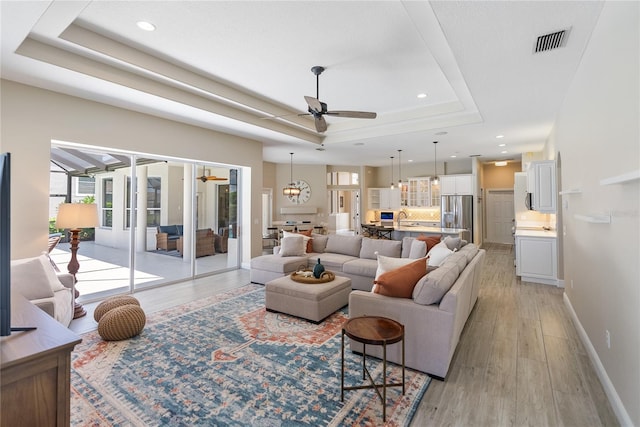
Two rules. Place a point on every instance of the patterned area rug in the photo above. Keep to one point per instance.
(226, 361)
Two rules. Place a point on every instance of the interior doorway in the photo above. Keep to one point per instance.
(344, 211)
(500, 216)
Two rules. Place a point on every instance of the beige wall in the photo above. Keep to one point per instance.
(596, 136)
(32, 117)
(499, 176)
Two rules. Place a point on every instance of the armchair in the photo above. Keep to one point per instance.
(222, 239)
(37, 280)
(167, 237)
(204, 243)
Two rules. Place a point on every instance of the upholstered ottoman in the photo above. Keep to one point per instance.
(310, 301)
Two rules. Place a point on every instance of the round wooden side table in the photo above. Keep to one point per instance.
(373, 330)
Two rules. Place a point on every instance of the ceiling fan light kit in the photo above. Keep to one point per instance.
(318, 109)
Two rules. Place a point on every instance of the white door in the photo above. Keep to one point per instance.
(500, 212)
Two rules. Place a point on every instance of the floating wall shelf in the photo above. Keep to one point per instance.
(594, 219)
(620, 179)
(572, 191)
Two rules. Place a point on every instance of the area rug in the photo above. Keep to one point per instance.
(226, 361)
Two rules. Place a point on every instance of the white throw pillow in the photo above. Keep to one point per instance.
(292, 246)
(418, 249)
(387, 263)
(290, 234)
(29, 278)
(438, 254)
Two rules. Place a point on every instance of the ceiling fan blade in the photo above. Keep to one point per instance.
(321, 124)
(313, 103)
(353, 114)
(216, 178)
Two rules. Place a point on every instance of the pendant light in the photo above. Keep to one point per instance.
(435, 163)
(392, 173)
(291, 189)
(399, 171)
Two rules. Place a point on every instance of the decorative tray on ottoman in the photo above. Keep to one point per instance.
(306, 276)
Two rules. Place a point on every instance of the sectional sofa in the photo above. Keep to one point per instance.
(435, 314)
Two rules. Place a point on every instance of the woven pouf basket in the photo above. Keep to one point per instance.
(122, 322)
(111, 303)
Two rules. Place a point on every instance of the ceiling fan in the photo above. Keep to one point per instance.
(318, 109)
(205, 178)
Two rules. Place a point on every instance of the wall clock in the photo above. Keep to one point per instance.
(305, 192)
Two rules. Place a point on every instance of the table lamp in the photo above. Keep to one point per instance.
(76, 216)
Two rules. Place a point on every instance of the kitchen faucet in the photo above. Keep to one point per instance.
(402, 215)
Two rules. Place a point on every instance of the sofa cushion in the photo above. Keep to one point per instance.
(331, 261)
(431, 241)
(292, 246)
(306, 236)
(278, 264)
(431, 288)
(399, 283)
(438, 254)
(372, 247)
(361, 267)
(29, 277)
(453, 243)
(406, 246)
(319, 242)
(345, 245)
(469, 250)
(418, 249)
(179, 230)
(169, 229)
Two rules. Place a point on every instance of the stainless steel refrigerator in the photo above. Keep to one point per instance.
(457, 212)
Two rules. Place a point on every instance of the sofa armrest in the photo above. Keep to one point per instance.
(45, 304)
(66, 279)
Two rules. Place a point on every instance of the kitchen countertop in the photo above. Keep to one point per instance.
(431, 230)
(535, 232)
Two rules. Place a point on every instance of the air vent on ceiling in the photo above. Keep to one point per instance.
(551, 41)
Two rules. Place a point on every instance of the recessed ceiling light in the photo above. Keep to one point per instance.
(409, 160)
(454, 156)
(499, 136)
(503, 152)
(422, 95)
(501, 163)
(502, 145)
(147, 26)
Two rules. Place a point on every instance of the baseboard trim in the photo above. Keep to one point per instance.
(609, 389)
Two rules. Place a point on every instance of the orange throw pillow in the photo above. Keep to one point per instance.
(399, 283)
(310, 241)
(431, 241)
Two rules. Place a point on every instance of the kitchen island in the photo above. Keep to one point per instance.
(405, 230)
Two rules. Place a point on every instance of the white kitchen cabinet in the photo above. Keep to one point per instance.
(536, 259)
(384, 198)
(456, 184)
(541, 183)
(419, 192)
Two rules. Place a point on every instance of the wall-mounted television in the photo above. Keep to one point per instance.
(386, 216)
(5, 244)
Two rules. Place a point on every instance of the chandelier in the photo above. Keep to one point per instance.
(291, 189)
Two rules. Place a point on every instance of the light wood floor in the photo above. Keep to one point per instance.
(519, 361)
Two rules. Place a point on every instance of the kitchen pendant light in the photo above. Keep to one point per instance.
(399, 170)
(291, 189)
(435, 163)
(392, 186)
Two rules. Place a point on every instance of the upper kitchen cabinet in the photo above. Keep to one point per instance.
(419, 192)
(541, 183)
(456, 185)
(384, 198)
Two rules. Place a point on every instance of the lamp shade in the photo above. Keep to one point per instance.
(77, 215)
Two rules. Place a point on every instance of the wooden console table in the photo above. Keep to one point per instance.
(35, 369)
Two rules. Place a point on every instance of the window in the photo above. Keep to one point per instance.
(85, 186)
(107, 202)
(153, 201)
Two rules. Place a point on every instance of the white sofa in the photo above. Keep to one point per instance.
(354, 257)
(432, 331)
(39, 282)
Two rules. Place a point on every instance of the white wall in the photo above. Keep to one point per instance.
(32, 117)
(596, 135)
